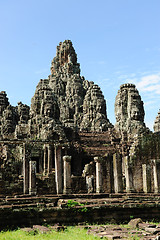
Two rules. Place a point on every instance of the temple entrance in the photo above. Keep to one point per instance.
(36, 159)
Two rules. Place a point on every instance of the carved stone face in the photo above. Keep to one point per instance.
(129, 109)
(135, 114)
(8, 114)
(23, 111)
(48, 110)
(136, 106)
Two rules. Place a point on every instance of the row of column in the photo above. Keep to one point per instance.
(63, 185)
(48, 155)
(65, 171)
(117, 174)
(29, 174)
(118, 164)
(128, 174)
(146, 171)
(29, 170)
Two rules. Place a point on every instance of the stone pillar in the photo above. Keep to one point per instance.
(32, 178)
(146, 178)
(25, 171)
(45, 160)
(41, 162)
(50, 156)
(98, 174)
(155, 176)
(67, 174)
(128, 175)
(58, 169)
(117, 173)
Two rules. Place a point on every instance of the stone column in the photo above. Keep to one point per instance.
(109, 174)
(128, 175)
(25, 171)
(58, 169)
(32, 178)
(67, 174)
(50, 156)
(41, 162)
(146, 178)
(45, 160)
(117, 173)
(98, 174)
(155, 176)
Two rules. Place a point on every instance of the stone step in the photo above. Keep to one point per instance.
(85, 199)
(17, 201)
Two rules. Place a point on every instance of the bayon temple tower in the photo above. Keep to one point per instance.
(64, 142)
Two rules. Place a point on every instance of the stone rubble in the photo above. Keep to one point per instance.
(150, 232)
(110, 232)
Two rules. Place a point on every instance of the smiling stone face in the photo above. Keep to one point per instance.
(129, 109)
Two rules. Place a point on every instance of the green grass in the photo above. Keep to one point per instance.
(71, 233)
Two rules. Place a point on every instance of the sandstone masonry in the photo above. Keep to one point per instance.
(64, 142)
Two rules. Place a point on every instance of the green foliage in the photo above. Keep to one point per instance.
(149, 146)
(135, 238)
(72, 204)
(33, 232)
(106, 145)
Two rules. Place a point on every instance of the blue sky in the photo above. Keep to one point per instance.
(116, 41)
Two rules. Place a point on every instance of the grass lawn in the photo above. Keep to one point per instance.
(71, 233)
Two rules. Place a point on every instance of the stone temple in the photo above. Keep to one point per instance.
(64, 142)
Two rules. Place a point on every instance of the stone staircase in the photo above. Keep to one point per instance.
(25, 210)
(87, 200)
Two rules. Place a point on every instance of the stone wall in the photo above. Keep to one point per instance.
(67, 119)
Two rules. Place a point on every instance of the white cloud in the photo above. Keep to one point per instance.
(153, 88)
(148, 85)
(147, 103)
(126, 76)
(145, 81)
(148, 82)
(149, 124)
